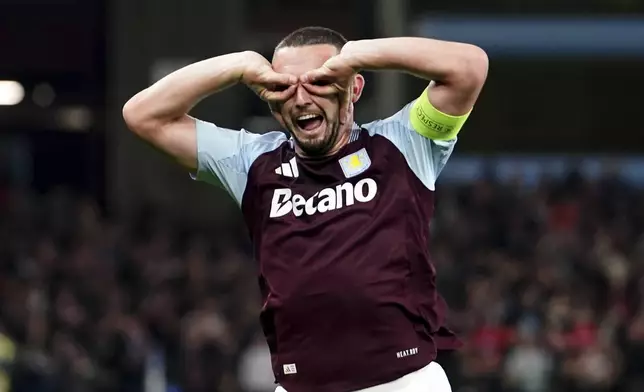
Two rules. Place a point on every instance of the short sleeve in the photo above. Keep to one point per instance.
(224, 156)
(425, 157)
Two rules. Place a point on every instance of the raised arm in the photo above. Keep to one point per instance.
(457, 73)
(426, 130)
(159, 114)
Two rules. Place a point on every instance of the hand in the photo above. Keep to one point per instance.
(269, 85)
(334, 77)
(336, 70)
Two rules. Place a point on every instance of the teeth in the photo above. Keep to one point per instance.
(307, 116)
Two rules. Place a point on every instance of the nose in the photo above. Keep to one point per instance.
(302, 97)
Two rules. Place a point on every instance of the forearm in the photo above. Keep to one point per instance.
(173, 96)
(440, 61)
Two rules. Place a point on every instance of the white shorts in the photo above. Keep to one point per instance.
(430, 378)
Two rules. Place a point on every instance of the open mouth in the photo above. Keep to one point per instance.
(309, 122)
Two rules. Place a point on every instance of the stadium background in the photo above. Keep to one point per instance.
(120, 274)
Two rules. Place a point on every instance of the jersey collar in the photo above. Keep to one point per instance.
(355, 133)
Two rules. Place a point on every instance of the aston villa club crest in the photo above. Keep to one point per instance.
(356, 163)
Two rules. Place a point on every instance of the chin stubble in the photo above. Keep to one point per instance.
(319, 148)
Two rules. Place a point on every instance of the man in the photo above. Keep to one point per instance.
(338, 214)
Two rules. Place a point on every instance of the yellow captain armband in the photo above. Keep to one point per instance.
(432, 123)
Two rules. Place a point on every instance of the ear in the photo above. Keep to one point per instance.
(275, 111)
(357, 87)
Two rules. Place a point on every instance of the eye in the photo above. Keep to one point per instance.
(321, 83)
(278, 88)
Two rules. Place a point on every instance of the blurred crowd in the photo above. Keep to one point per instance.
(546, 285)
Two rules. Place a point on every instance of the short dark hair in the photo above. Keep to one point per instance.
(312, 35)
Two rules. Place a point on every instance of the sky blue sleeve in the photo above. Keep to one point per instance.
(425, 157)
(224, 156)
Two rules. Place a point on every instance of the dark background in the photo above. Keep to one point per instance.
(121, 274)
(95, 54)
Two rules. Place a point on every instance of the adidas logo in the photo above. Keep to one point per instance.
(288, 169)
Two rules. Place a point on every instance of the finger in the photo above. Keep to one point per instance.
(341, 87)
(315, 75)
(276, 78)
(321, 90)
(326, 89)
(272, 92)
(345, 106)
(344, 110)
(278, 96)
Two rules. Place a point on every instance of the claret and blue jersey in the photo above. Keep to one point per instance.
(349, 296)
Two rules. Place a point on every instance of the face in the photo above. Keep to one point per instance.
(314, 120)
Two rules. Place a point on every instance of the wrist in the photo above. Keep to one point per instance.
(244, 61)
(353, 54)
